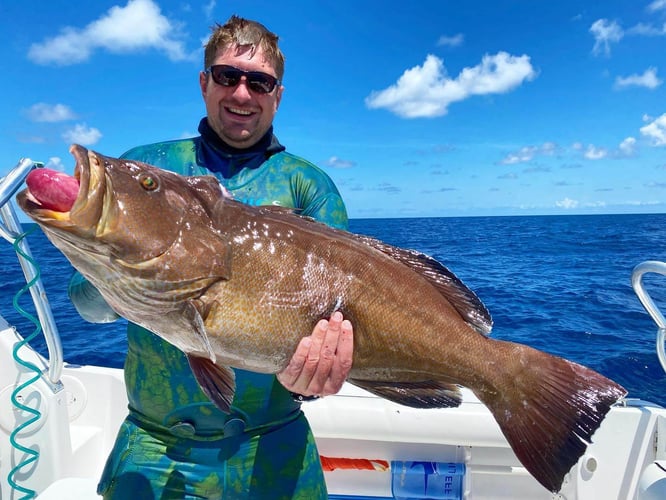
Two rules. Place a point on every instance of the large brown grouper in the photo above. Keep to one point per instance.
(238, 286)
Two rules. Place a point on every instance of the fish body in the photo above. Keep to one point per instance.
(238, 286)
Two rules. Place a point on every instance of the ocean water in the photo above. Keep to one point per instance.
(561, 284)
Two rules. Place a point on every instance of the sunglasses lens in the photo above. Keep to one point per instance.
(228, 76)
(261, 83)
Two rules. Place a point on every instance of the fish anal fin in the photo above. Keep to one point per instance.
(550, 412)
(217, 382)
(421, 394)
(464, 300)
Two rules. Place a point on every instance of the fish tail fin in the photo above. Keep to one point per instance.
(549, 411)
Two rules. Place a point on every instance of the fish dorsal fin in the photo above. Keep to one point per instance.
(464, 300)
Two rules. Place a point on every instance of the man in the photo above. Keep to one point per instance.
(175, 443)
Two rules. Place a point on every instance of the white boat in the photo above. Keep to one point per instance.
(58, 423)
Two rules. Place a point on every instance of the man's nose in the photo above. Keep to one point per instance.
(242, 91)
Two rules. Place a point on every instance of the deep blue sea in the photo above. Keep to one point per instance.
(561, 284)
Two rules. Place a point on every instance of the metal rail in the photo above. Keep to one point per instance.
(651, 266)
(10, 229)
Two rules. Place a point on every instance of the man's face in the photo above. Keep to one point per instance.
(237, 114)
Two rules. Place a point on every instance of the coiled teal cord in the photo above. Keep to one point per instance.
(30, 455)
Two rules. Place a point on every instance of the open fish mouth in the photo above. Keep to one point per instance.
(90, 208)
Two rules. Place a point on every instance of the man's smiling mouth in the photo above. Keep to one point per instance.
(237, 111)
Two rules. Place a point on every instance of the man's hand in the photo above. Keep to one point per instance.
(322, 361)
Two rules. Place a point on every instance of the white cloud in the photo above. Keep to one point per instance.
(43, 112)
(451, 41)
(137, 26)
(647, 30)
(594, 153)
(55, 163)
(656, 131)
(656, 5)
(82, 134)
(523, 155)
(627, 147)
(549, 148)
(426, 91)
(527, 153)
(566, 203)
(648, 80)
(605, 32)
(336, 162)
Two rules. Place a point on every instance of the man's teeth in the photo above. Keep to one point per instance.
(240, 111)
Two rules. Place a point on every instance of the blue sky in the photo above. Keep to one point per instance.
(426, 108)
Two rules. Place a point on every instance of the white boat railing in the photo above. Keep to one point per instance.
(651, 266)
(11, 230)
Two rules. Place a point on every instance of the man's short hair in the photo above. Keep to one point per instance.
(247, 36)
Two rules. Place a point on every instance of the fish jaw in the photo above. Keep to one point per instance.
(91, 204)
(92, 209)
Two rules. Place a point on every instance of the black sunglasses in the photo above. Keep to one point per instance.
(229, 76)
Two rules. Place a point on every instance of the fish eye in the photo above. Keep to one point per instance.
(148, 182)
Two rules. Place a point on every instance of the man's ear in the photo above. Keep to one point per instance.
(278, 96)
(203, 83)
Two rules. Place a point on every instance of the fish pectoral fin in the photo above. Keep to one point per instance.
(196, 311)
(420, 394)
(217, 382)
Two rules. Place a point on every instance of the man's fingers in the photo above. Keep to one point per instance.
(290, 374)
(298, 374)
(343, 360)
(326, 357)
(318, 337)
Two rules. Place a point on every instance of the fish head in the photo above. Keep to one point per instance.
(135, 221)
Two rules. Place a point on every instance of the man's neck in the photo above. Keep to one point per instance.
(214, 140)
(218, 156)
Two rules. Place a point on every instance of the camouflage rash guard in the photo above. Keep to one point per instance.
(175, 443)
